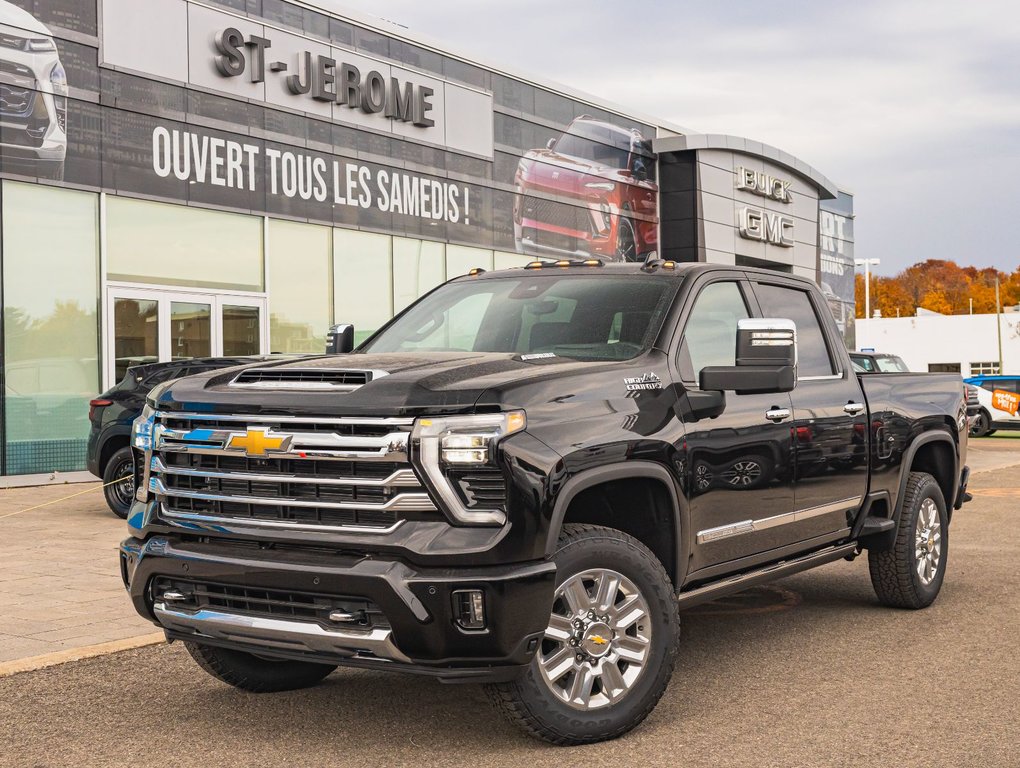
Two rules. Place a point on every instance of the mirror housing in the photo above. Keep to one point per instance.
(551, 143)
(340, 339)
(766, 359)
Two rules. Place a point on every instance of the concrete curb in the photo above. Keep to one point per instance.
(33, 663)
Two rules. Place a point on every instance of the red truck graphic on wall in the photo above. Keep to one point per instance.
(589, 192)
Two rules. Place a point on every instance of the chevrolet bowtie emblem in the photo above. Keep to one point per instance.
(258, 442)
(598, 639)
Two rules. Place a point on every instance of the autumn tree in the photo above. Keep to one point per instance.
(939, 286)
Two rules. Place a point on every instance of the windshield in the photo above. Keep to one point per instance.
(584, 317)
(891, 364)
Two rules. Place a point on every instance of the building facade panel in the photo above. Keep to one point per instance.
(216, 162)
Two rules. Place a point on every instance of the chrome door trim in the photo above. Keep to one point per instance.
(752, 526)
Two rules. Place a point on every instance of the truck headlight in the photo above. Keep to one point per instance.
(449, 442)
(142, 430)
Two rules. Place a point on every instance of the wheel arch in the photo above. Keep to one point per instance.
(593, 496)
(935, 453)
(113, 443)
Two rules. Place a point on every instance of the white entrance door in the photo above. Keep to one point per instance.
(147, 325)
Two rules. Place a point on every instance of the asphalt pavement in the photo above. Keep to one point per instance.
(810, 671)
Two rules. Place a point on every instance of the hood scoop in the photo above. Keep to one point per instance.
(328, 380)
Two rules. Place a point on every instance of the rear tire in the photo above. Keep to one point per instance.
(255, 674)
(982, 425)
(910, 573)
(611, 644)
(119, 482)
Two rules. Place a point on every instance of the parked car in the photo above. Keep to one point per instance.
(112, 413)
(590, 192)
(879, 362)
(33, 96)
(998, 399)
(523, 477)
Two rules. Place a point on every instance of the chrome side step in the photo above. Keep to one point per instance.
(718, 589)
(279, 633)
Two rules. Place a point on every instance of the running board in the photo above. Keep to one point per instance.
(768, 573)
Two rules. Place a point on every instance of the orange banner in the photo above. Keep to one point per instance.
(1006, 401)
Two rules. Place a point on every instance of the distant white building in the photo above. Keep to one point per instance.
(964, 344)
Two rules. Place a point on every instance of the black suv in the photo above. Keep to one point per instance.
(112, 413)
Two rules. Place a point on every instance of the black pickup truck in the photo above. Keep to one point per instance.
(525, 478)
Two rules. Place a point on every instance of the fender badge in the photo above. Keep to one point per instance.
(648, 381)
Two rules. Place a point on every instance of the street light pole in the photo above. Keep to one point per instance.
(867, 264)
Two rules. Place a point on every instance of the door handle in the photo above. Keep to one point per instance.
(777, 414)
(853, 408)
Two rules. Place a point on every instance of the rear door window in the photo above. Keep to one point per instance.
(780, 301)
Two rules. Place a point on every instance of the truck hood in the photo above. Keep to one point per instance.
(402, 384)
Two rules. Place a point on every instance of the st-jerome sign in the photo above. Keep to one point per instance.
(324, 79)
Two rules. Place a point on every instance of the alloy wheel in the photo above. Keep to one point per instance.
(928, 542)
(743, 473)
(598, 640)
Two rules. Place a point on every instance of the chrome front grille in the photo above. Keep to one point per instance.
(282, 473)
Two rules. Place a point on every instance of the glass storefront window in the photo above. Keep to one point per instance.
(190, 330)
(506, 260)
(149, 242)
(362, 281)
(240, 330)
(136, 333)
(299, 286)
(460, 260)
(51, 285)
(418, 267)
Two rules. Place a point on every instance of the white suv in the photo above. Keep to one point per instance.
(33, 96)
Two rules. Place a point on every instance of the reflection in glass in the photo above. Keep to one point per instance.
(148, 242)
(240, 330)
(299, 316)
(51, 362)
(362, 278)
(136, 333)
(190, 330)
(418, 267)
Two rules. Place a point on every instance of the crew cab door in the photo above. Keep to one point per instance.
(737, 465)
(830, 420)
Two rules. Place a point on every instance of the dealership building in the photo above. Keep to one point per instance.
(229, 177)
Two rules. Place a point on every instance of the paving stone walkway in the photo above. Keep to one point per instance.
(60, 584)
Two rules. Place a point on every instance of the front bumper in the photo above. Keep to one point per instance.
(419, 633)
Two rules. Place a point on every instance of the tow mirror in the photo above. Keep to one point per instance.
(340, 339)
(550, 144)
(766, 360)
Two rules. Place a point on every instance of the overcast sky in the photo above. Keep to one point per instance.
(912, 105)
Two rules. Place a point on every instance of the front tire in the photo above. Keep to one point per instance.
(910, 573)
(254, 673)
(119, 482)
(611, 644)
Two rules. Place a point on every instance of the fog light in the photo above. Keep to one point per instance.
(469, 608)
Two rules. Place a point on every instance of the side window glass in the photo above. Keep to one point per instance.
(793, 304)
(710, 335)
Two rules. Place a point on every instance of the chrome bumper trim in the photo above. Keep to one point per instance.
(279, 633)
